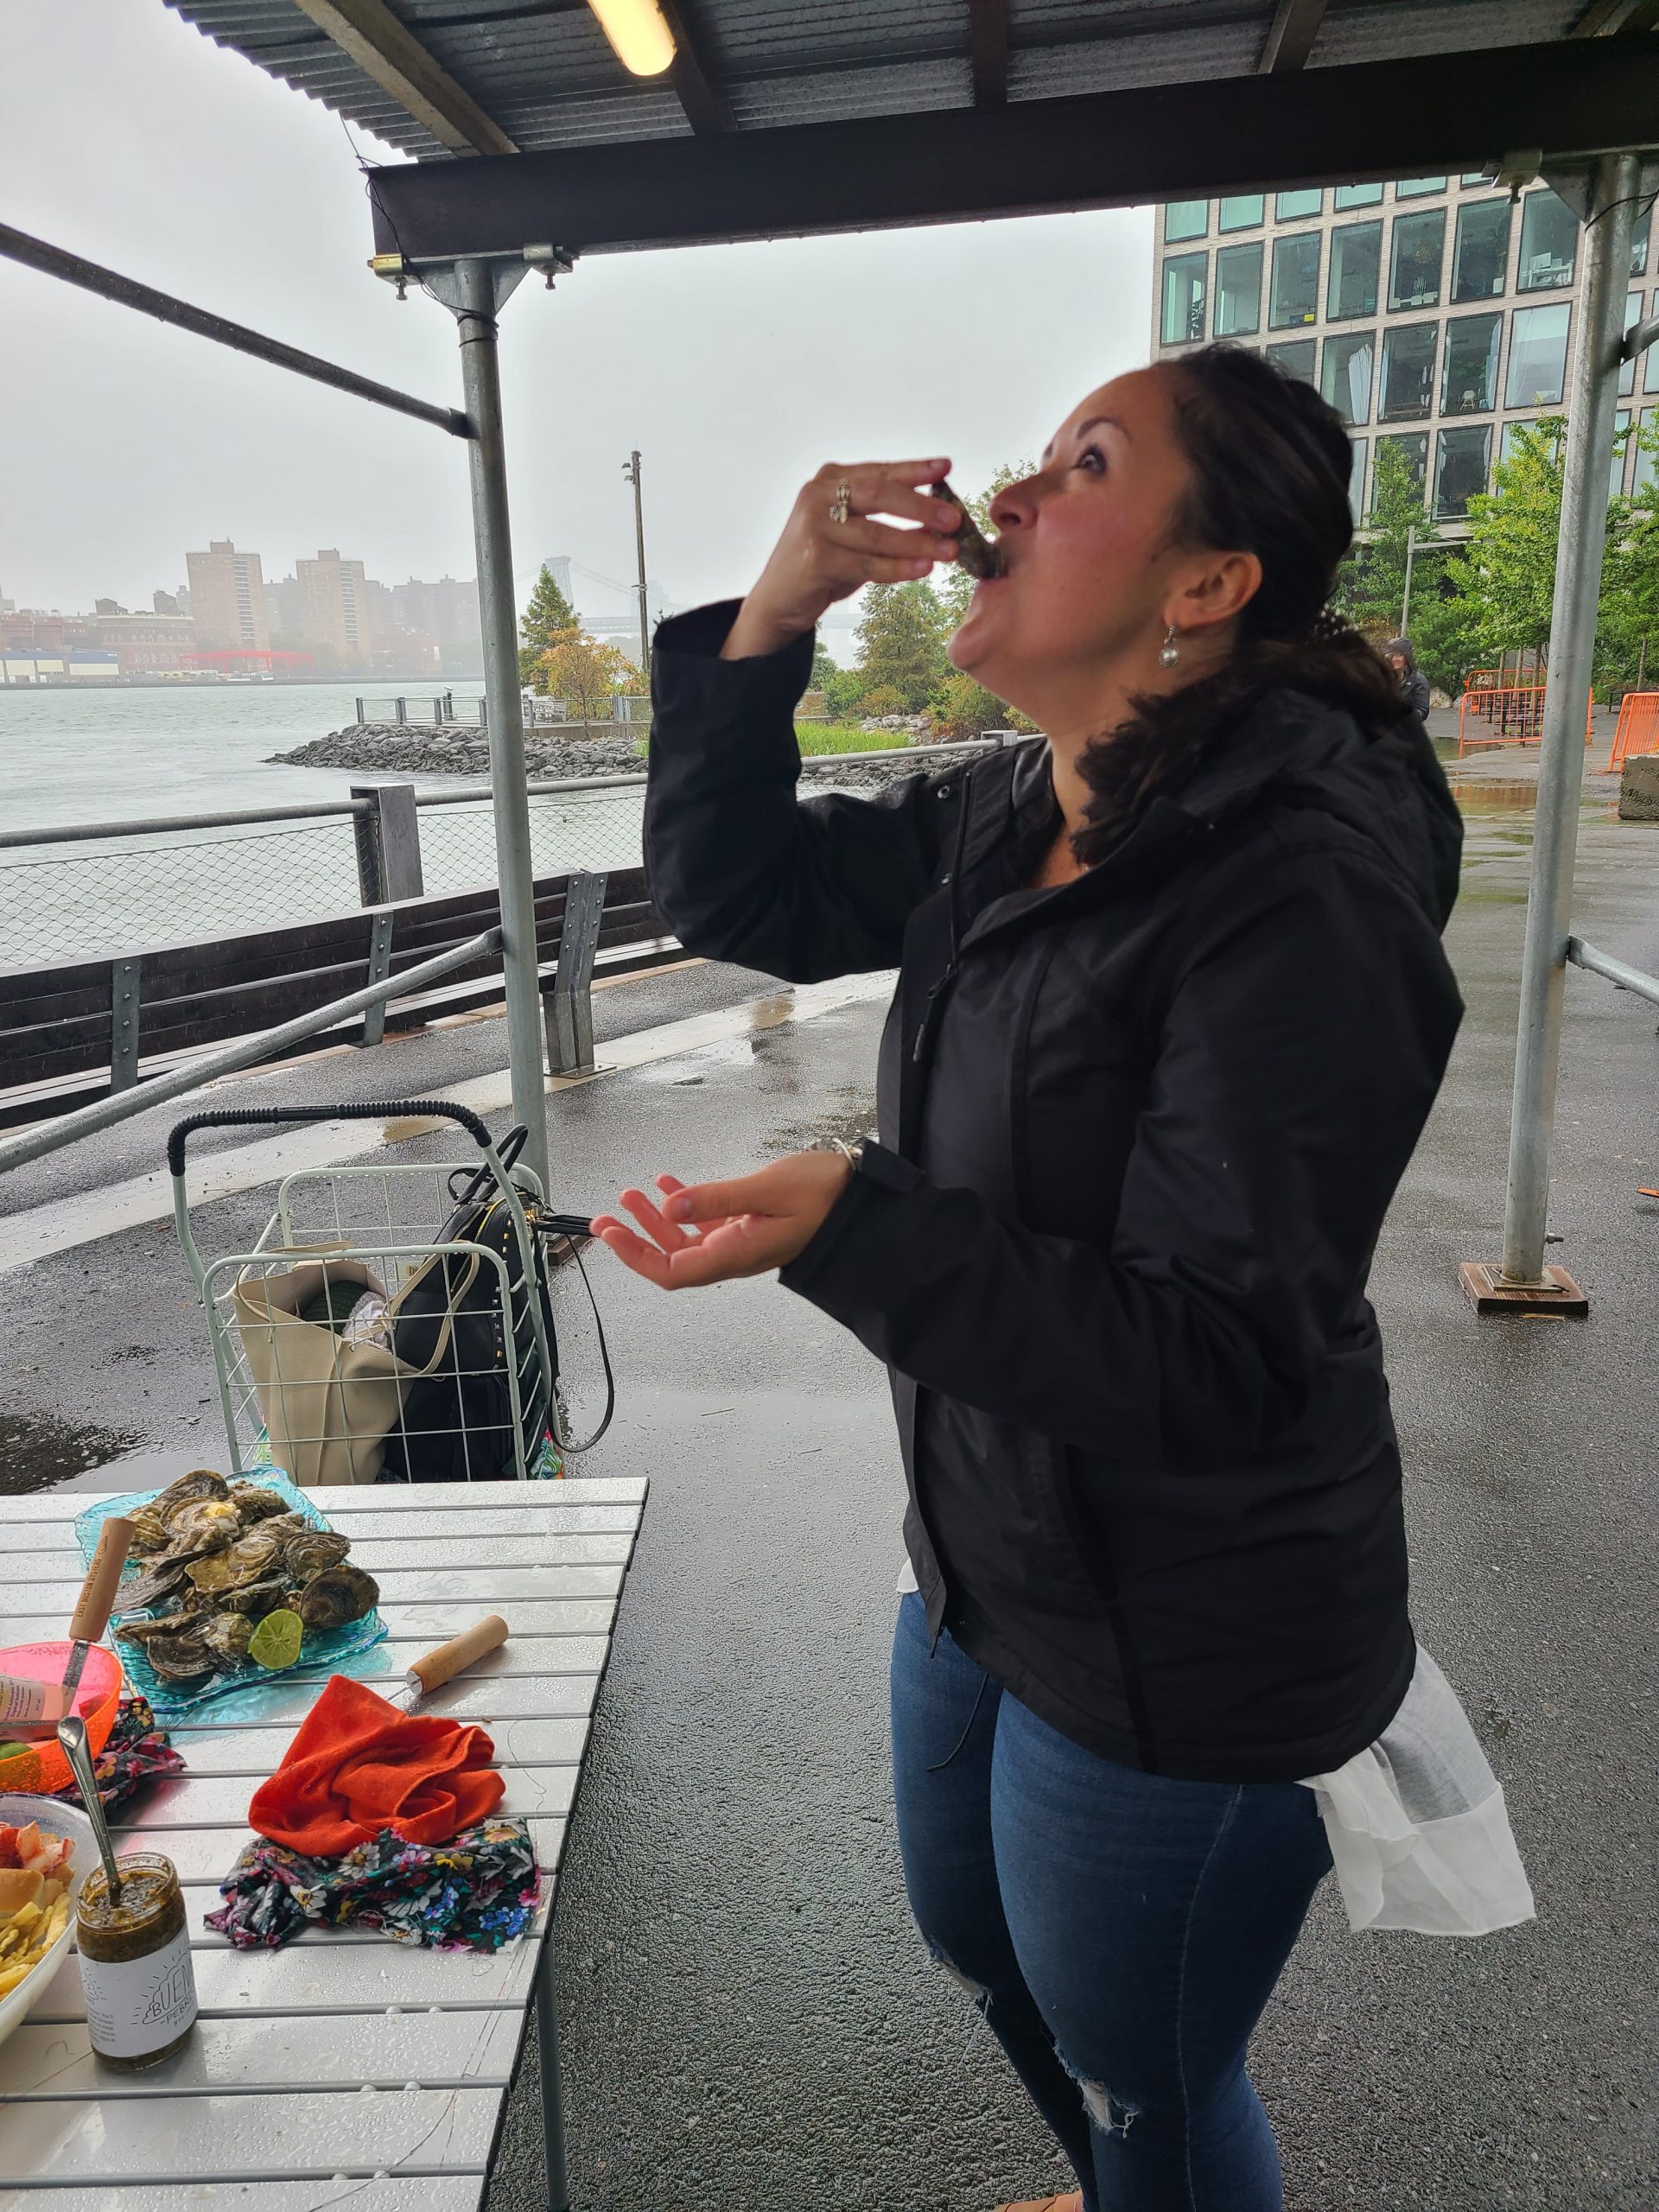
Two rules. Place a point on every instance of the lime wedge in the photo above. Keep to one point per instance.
(276, 1641)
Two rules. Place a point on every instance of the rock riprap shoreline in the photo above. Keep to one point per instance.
(461, 749)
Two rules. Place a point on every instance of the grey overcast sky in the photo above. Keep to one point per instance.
(736, 369)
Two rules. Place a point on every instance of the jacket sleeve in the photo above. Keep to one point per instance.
(1299, 1057)
(739, 867)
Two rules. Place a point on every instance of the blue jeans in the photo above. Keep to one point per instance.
(1121, 1931)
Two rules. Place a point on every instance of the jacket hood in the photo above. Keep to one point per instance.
(1297, 749)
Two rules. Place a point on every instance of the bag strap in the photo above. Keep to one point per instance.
(546, 1229)
(454, 1297)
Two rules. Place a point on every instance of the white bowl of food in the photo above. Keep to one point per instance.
(47, 1849)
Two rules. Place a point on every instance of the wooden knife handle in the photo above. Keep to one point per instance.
(91, 1615)
(433, 1669)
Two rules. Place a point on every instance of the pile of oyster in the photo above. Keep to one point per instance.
(218, 1557)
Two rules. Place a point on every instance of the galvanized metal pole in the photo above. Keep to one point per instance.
(1608, 215)
(632, 472)
(475, 312)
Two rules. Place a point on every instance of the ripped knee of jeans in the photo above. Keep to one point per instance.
(976, 1990)
(1111, 2114)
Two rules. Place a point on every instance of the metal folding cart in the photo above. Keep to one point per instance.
(393, 1321)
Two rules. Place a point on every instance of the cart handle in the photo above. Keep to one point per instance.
(359, 1110)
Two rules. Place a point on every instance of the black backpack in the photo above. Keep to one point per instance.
(456, 1423)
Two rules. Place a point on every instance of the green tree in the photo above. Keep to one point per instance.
(1628, 633)
(901, 639)
(1506, 574)
(1371, 589)
(824, 667)
(584, 674)
(544, 622)
(842, 689)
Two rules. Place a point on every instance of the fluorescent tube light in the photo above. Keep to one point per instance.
(640, 36)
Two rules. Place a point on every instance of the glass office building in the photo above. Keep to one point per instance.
(1435, 311)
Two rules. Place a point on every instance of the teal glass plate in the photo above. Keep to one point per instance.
(171, 1701)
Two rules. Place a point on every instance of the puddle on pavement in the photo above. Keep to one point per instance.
(39, 1451)
(851, 1115)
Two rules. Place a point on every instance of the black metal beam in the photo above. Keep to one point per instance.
(987, 42)
(1290, 37)
(1433, 114)
(693, 75)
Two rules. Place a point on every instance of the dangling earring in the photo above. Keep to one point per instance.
(1169, 653)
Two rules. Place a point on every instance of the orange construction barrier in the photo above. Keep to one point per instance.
(1639, 728)
(1505, 714)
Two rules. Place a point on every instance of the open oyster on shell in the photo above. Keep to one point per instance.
(153, 1525)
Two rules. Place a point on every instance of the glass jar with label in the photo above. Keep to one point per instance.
(135, 1962)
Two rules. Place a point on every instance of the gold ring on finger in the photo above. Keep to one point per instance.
(842, 510)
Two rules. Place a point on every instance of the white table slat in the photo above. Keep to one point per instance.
(182, 2140)
(378, 1497)
(203, 1896)
(422, 1623)
(491, 1585)
(378, 1555)
(437, 2049)
(314, 1976)
(533, 1516)
(435, 2193)
(192, 1802)
(342, 2067)
(256, 1752)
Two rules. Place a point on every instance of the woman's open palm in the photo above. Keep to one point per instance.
(716, 1232)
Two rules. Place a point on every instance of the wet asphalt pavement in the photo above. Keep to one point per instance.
(749, 2021)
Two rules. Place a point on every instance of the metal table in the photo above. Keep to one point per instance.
(344, 2068)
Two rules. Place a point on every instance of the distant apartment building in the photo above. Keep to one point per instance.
(146, 644)
(1435, 314)
(334, 613)
(227, 599)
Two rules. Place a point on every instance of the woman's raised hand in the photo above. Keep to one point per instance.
(713, 1232)
(820, 558)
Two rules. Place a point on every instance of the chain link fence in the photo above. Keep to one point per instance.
(597, 829)
(101, 897)
(63, 903)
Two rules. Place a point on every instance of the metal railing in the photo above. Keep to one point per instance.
(84, 892)
(245, 1053)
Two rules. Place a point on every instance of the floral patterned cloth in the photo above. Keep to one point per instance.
(137, 1750)
(475, 1893)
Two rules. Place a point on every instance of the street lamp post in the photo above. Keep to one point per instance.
(630, 471)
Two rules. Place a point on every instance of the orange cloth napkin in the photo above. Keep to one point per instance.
(358, 1766)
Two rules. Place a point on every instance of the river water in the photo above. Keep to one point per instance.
(113, 756)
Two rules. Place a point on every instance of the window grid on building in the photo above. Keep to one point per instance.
(1433, 304)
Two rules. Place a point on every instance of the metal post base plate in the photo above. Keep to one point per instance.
(1488, 1292)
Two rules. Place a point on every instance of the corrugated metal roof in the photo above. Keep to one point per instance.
(544, 73)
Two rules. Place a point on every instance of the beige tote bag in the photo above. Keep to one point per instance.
(327, 1404)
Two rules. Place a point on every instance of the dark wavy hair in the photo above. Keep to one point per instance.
(1269, 462)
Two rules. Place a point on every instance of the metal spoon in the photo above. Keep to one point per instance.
(91, 1618)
